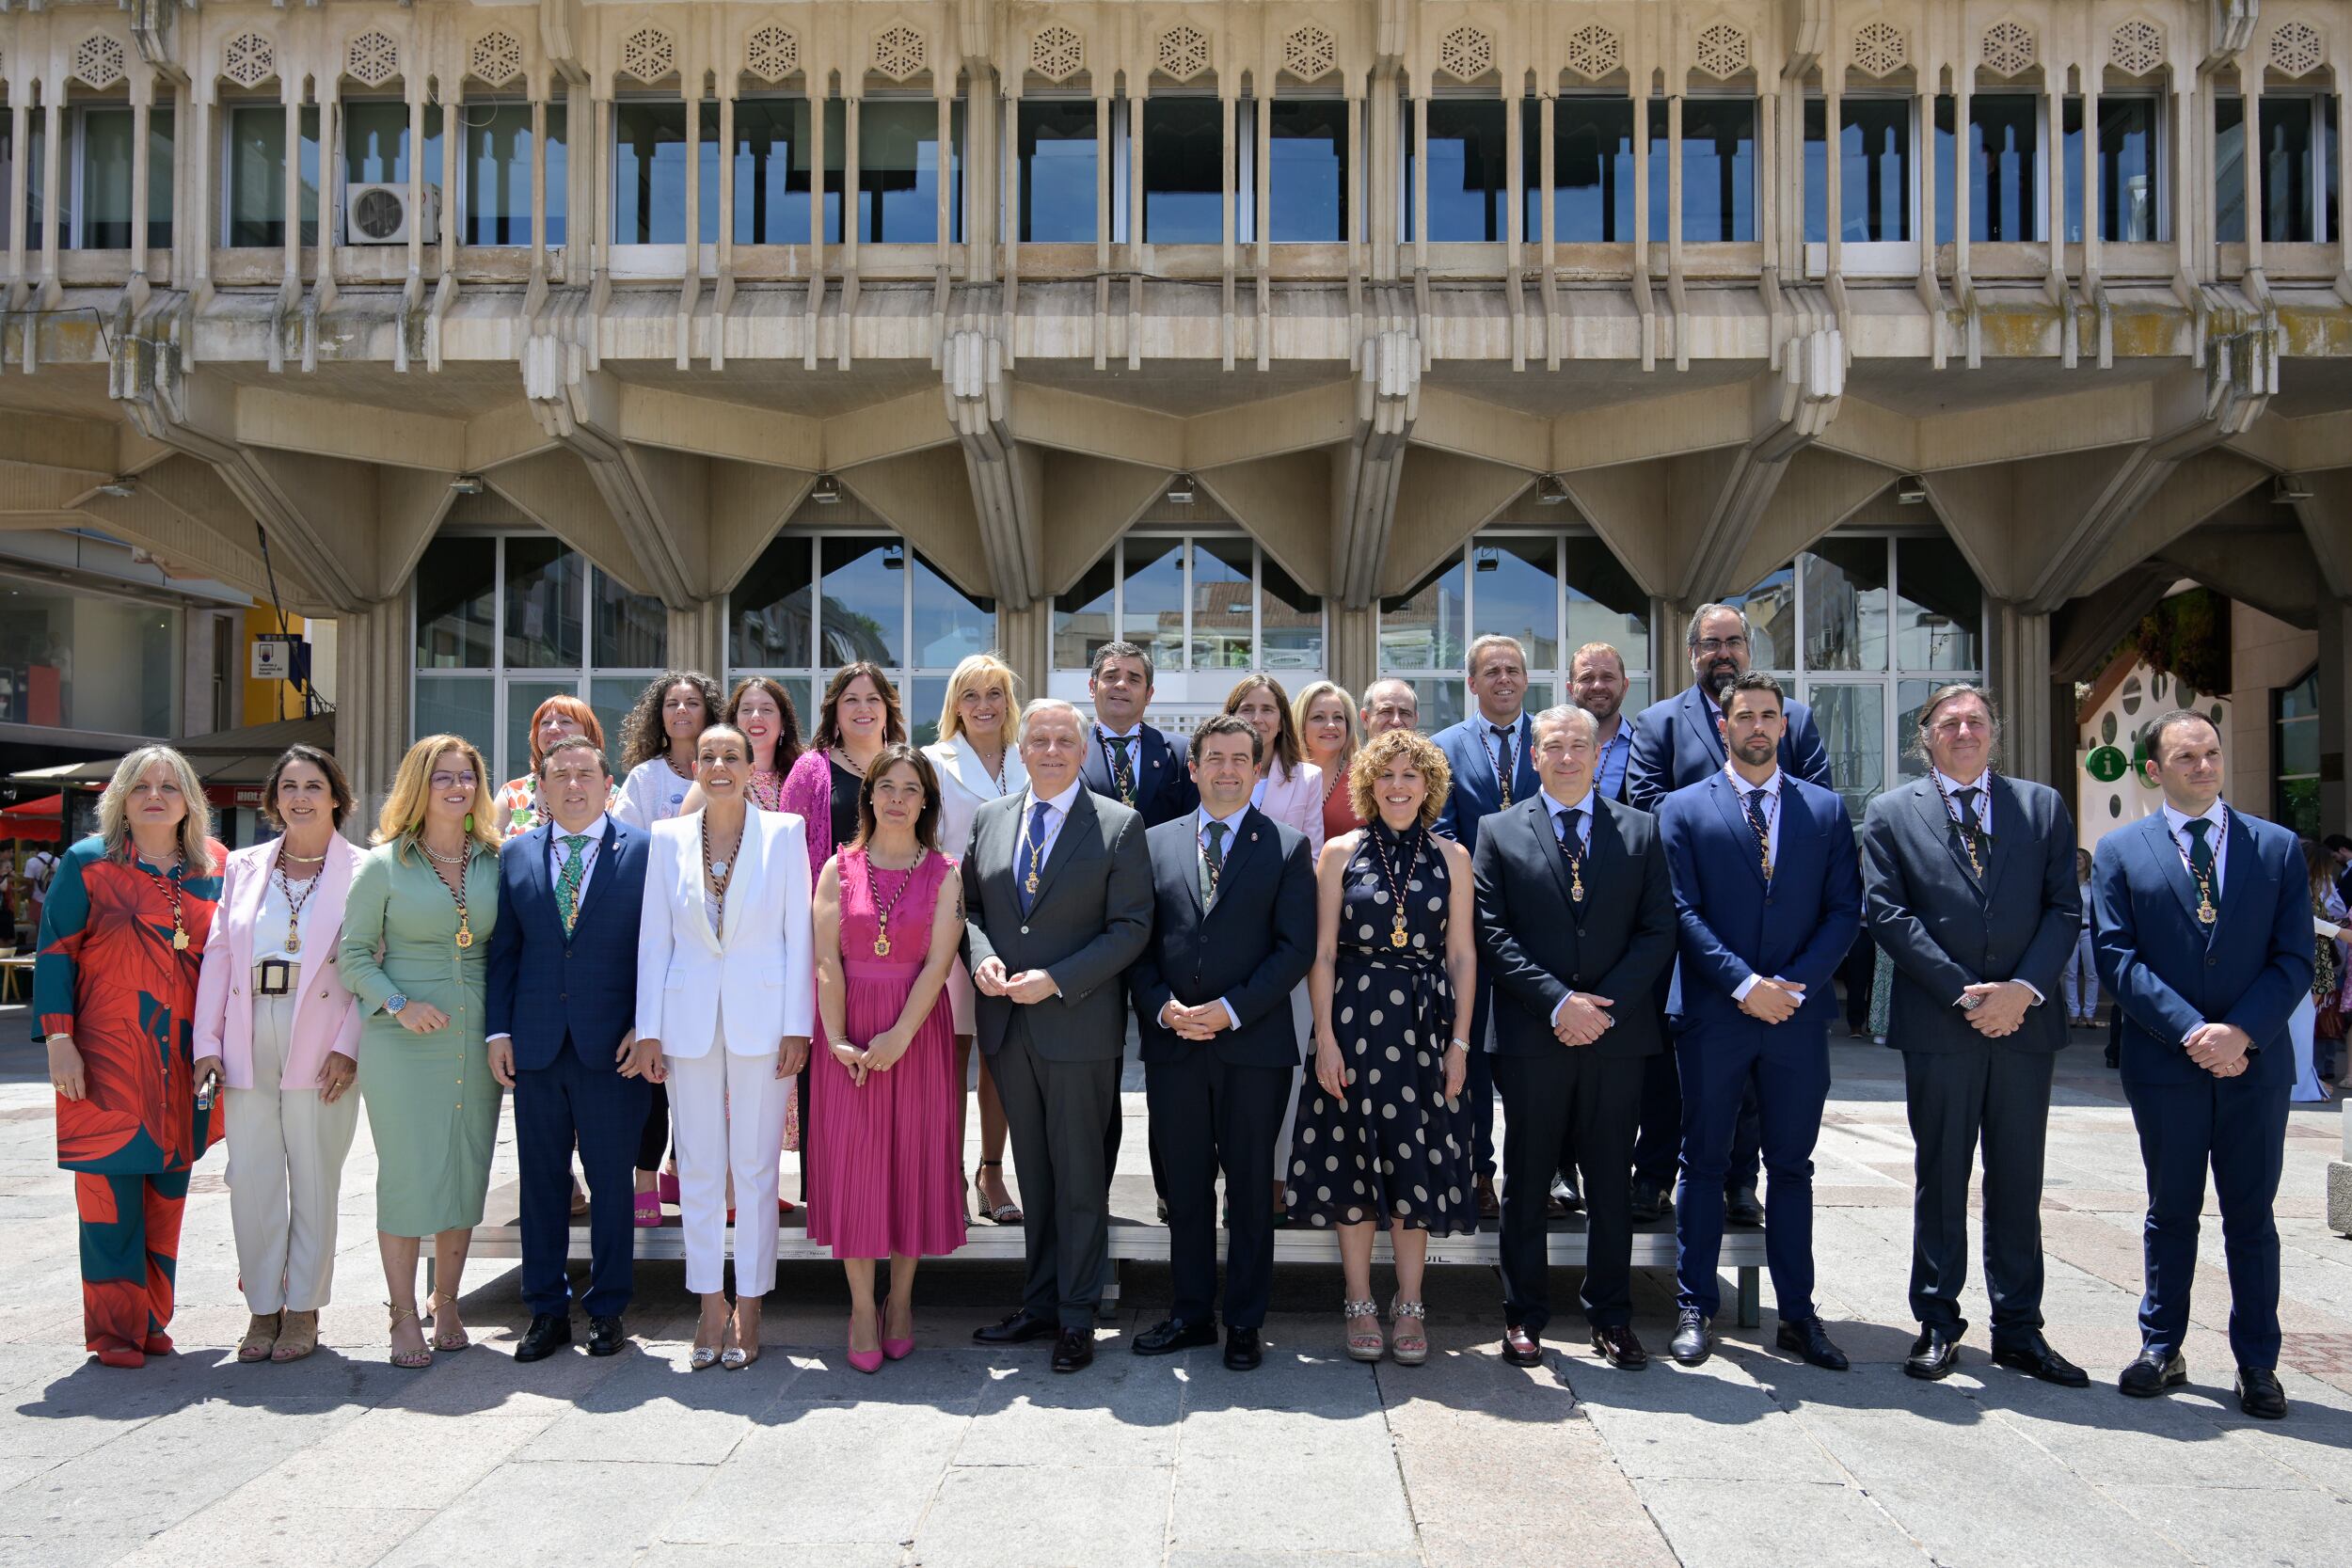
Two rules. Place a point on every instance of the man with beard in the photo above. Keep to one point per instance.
(1127, 760)
(1677, 743)
(1597, 684)
(1769, 899)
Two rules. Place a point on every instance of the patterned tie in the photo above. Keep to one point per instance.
(1212, 863)
(1763, 831)
(2200, 852)
(567, 880)
(1034, 861)
(1502, 761)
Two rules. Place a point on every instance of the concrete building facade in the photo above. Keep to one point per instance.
(540, 346)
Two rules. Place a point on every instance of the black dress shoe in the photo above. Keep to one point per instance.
(1019, 1329)
(1074, 1349)
(1650, 1200)
(1241, 1350)
(1175, 1335)
(2152, 1372)
(548, 1334)
(1809, 1340)
(1743, 1207)
(1934, 1355)
(2035, 1356)
(1693, 1340)
(1564, 1194)
(1620, 1348)
(1521, 1347)
(2260, 1395)
(606, 1336)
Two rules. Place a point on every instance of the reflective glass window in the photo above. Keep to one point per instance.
(1059, 157)
(1423, 628)
(862, 607)
(1845, 604)
(1184, 141)
(770, 615)
(1310, 168)
(498, 175)
(1718, 169)
(1939, 619)
(375, 143)
(456, 587)
(649, 173)
(772, 146)
(1873, 170)
(950, 625)
(1468, 170)
(1222, 603)
(1592, 171)
(899, 171)
(1152, 613)
(543, 603)
(256, 212)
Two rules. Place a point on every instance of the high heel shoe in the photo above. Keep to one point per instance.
(1408, 1343)
(456, 1339)
(738, 1355)
(1364, 1340)
(899, 1349)
(648, 1211)
(410, 1360)
(665, 1186)
(864, 1360)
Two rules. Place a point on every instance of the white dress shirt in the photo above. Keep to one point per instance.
(1057, 813)
(1771, 839)
(1201, 821)
(594, 834)
(1130, 745)
(2176, 823)
(1584, 803)
(1982, 783)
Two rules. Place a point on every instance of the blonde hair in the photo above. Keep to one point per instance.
(975, 669)
(1363, 774)
(403, 808)
(196, 827)
(1315, 693)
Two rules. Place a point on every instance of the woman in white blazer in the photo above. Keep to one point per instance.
(726, 982)
(978, 758)
(279, 1031)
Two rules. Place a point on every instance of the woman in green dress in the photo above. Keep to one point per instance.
(415, 947)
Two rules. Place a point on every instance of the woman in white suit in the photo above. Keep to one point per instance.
(727, 984)
(1290, 790)
(978, 758)
(279, 1030)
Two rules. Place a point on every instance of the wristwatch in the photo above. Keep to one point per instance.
(393, 1004)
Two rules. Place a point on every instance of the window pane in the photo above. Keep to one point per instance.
(375, 143)
(924, 698)
(1718, 169)
(1939, 621)
(1153, 617)
(2288, 201)
(522, 700)
(632, 630)
(862, 613)
(2299, 747)
(1874, 167)
(1592, 171)
(2127, 171)
(1082, 617)
(456, 582)
(257, 175)
(1845, 604)
(160, 130)
(1852, 721)
(1515, 589)
(1605, 605)
(768, 614)
(1909, 697)
(772, 155)
(612, 698)
(1468, 176)
(1059, 169)
(1308, 158)
(2229, 169)
(1815, 170)
(1182, 186)
(466, 705)
(1771, 606)
(2004, 197)
(1441, 698)
(558, 172)
(1290, 622)
(36, 194)
(543, 580)
(105, 216)
(2301, 700)
(897, 171)
(498, 174)
(1422, 630)
(1947, 175)
(649, 173)
(1221, 598)
(949, 626)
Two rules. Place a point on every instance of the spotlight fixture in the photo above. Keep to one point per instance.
(1180, 490)
(827, 491)
(467, 485)
(2286, 489)
(122, 484)
(1550, 492)
(1911, 490)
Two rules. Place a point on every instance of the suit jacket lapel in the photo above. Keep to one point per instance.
(2167, 848)
(1940, 825)
(1548, 845)
(1247, 829)
(2009, 811)
(2242, 869)
(1703, 718)
(1065, 845)
(1735, 815)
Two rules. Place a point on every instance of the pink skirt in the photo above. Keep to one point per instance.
(888, 1170)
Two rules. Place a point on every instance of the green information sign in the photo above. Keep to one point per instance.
(2105, 764)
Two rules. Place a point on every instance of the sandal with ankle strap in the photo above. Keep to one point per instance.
(410, 1360)
(1365, 1342)
(1006, 1212)
(456, 1340)
(1409, 1347)
(297, 1336)
(260, 1337)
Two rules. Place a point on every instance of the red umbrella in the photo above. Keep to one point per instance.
(38, 821)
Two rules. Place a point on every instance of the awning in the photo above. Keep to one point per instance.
(231, 763)
(37, 820)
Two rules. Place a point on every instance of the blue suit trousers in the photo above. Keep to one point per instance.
(1785, 1066)
(573, 1100)
(2239, 1129)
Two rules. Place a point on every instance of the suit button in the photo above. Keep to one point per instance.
(563, 996)
(2211, 960)
(567, 954)
(1025, 931)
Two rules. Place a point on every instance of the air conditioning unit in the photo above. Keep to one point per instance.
(379, 214)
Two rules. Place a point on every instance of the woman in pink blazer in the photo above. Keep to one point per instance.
(279, 1033)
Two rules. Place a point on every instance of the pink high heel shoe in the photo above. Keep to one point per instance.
(899, 1349)
(864, 1360)
(648, 1211)
(665, 1186)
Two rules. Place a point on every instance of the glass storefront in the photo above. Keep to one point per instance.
(76, 661)
(1208, 606)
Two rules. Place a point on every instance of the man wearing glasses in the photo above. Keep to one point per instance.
(1677, 743)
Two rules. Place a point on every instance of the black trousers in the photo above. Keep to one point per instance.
(1055, 1118)
(1571, 1097)
(569, 1101)
(1208, 1115)
(1957, 1099)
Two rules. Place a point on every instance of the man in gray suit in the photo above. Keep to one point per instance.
(1057, 902)
(1968, 882)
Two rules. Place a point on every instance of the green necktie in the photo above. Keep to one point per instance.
(1212, 863)
(2200, 852)
(567, 882)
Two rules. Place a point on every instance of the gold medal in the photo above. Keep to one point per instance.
(1577, 892)
(293, 939)
(1030, 882)
(179, 939)
(2205, 912)
(882, 946)
(465, 937)
(1396, 933)
(1397, 886)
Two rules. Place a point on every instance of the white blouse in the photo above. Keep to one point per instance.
(653, 792)
(269, 935)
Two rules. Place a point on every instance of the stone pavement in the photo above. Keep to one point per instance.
(958, 1456)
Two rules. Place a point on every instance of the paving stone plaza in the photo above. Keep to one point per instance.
(960, 1456)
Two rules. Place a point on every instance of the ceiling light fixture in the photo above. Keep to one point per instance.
(467, 485)
(1180, 490)
(827, 491)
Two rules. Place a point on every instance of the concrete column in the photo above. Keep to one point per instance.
(2018, 670)
(698, 636)
(372, 676)
(1669, 656)
(1355, 652)
(2335, 715)
(1025, 640)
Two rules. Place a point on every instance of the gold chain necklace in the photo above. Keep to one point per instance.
(1396, 888)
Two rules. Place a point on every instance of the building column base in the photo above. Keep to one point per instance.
(2018, 669)
(372, 672)
(698, 636)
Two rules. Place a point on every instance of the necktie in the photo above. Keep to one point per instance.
(1763, 831)
(567, 880)
(1571, 828)
(1502, 759)
(1212, 863)
(1968, 820)
(1032, 855)
(2200, 852)
(1122, 767)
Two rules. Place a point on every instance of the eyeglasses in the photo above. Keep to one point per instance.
(1721, 644)
(453, 781)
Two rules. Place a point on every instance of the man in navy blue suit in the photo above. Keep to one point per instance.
(1134, 764)
(1678, 742)
(1492, 755)
(1768, 894)
(2201, 928)
(562, 990)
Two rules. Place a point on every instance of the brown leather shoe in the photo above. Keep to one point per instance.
(1520, 1348)
(1617, 1346)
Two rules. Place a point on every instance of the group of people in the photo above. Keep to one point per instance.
(1623, 930)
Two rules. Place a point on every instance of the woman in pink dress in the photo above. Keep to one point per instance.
(889, 919)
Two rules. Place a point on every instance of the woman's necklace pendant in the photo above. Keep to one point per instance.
(180, 939)
(1396, 933)
(465, 938)
(293, 939)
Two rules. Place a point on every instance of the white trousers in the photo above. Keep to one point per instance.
(286, 1150)
(727, 1114)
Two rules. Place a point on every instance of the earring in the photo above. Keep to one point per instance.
(469, 822)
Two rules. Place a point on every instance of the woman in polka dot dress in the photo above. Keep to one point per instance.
(1383, 1137)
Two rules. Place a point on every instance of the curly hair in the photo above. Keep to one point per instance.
(1411, 746)
(644, 737)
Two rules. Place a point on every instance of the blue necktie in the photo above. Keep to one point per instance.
(1032, 856)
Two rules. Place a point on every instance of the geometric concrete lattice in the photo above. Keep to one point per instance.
(2135, 47)
(1056, 53)
(1184, 53)
(2296, 49)
(372, 58)
(648, 54)
(1593, 51)
(1722, 51)
(1465, 53)
(98, 61)
(2009, 48)
(771, 54)
(248, 60)
(1309, 52)
(1879, 48)
(496, 58)
(899, 51)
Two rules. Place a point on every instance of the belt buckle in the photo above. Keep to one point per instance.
(275, 978)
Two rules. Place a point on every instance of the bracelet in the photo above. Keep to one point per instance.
(48, 1040)
(1459, 1045)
